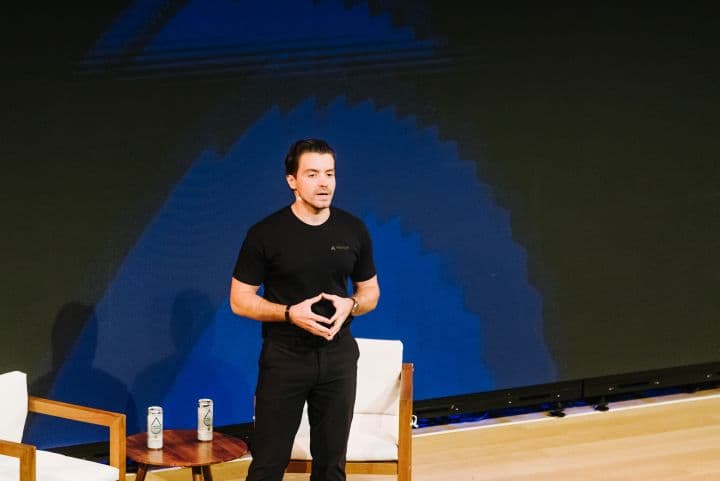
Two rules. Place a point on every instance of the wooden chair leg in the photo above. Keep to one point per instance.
(141, 472)
(197, 473)
(207, 473)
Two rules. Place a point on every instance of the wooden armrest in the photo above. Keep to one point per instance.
(73, 411)
(114, 421)
(26, 454)
(406, 382)
(405, 426)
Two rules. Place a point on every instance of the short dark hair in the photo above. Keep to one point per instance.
(292, 159)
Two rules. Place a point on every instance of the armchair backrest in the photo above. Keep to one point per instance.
(378, 383)
(13, 405)
(375, 434)
(379, 367)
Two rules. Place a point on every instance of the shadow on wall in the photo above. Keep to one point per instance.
(75, 324)
(66, 330)
(191, 314)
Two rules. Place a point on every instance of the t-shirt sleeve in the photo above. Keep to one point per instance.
(365, 265)
(250, 265)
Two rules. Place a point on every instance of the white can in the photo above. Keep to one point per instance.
(155, 427)
(205, 420)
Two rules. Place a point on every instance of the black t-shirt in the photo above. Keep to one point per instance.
(295, 261)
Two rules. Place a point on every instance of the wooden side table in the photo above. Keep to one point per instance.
(182, 449)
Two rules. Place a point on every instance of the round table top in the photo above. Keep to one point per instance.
(181, 448)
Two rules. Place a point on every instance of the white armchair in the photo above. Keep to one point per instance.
(24, 462)
(381, 433)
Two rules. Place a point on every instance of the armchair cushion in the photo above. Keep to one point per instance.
(13, 405)
(373, 437)
(56, 467)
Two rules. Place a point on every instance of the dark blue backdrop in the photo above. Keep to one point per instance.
(454, 282)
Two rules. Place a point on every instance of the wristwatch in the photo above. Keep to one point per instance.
(287, 314)
(355, 305)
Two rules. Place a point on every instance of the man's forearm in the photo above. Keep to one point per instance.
(252, 306)
(367, 299)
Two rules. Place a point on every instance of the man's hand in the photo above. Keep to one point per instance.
(302, 316)
(343, 307)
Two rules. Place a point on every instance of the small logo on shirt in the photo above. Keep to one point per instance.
(339, 248)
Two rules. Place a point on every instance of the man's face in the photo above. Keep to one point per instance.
(314, 183)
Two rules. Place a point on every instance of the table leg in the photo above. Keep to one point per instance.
(207, 474)
(141, 472)
(197, 473)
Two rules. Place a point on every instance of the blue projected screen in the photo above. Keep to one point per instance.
(530, 220)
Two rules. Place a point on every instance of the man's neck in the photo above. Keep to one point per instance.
(309, 214)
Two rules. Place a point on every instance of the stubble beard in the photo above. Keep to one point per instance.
(315, 206)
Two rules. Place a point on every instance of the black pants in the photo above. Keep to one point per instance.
(293, 371)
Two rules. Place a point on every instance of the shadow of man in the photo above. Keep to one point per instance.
(72, 378)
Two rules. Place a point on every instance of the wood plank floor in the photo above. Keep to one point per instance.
(670, 438)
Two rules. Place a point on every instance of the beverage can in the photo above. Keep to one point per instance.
(205, 420)
(155, 427)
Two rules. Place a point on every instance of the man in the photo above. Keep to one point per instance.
(303, 255)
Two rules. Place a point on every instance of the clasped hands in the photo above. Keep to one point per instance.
(302, 315)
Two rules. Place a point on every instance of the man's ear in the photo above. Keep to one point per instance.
(291, 181)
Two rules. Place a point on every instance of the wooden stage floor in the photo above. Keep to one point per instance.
(668, 438)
